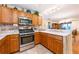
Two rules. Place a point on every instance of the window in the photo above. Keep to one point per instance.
(66, 26)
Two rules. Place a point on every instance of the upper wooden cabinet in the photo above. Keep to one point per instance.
(55, 26)
(36, 20)
(14, 16)
(28, 15)
(39, 20)
(0, 11)
(6, 15)
(21, 14)
(10, 16)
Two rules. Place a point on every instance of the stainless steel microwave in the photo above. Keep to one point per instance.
(25, 21)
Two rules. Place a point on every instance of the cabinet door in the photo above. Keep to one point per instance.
(6, 15)
(2, 51)
(15, 16)
(10, 44)
(21, 14)
(39, 20)
(55, 26)
(37, 38)
(28, 15)
(44, 39)
(4, 45)
(50, 42)
(14, 43)
(60, 48)
(0, 13)
(57, 46)
(35, 20)
(7, 44)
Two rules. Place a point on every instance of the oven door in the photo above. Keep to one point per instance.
(27, 38)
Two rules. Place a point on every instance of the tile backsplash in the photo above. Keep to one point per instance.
(8, 27)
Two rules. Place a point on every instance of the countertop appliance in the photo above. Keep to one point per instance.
(26, 34)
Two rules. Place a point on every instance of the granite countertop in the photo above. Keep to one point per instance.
(5, 33)
(56, 32)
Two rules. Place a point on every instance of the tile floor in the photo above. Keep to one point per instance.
(38, 49)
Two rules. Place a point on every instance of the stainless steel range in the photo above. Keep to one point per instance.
(26, 34)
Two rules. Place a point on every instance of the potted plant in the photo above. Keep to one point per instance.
(36, 13)
(28, 11)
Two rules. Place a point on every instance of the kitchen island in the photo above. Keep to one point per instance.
(58, 41)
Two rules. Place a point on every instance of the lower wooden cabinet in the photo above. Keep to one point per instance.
(50, 42)
(10, 44)
(53, 42)
(57, 47)
(14, 43)
(2, 49)
(37, 38)
(4, 46)
(44, 39)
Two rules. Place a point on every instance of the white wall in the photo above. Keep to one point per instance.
(75, 24)
(45, 23)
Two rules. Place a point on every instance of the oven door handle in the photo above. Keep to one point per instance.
(26, 35)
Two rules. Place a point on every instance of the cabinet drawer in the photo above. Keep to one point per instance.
(57, 37)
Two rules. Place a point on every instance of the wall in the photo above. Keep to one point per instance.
(8, 27)
(65, 20)
(75, 24)
(45, 23)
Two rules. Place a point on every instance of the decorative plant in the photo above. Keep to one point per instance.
(15, 8)
(36, 13)
(28, 11)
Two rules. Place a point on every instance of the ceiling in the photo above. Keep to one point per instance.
(56, 12)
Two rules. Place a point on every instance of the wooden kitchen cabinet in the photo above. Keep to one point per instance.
(14, 16)
(21, 14)
(44, 39)
(53, 42)
(37, 38)
(28, 15)
(10, 44)
(39, 20)
(55, 26)
(10, 16)
(6, 15)
(2, 50)
(35, 20)
(50, 42)
(0, 13)
(57, 47)
(4, 45)
(14, 43)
